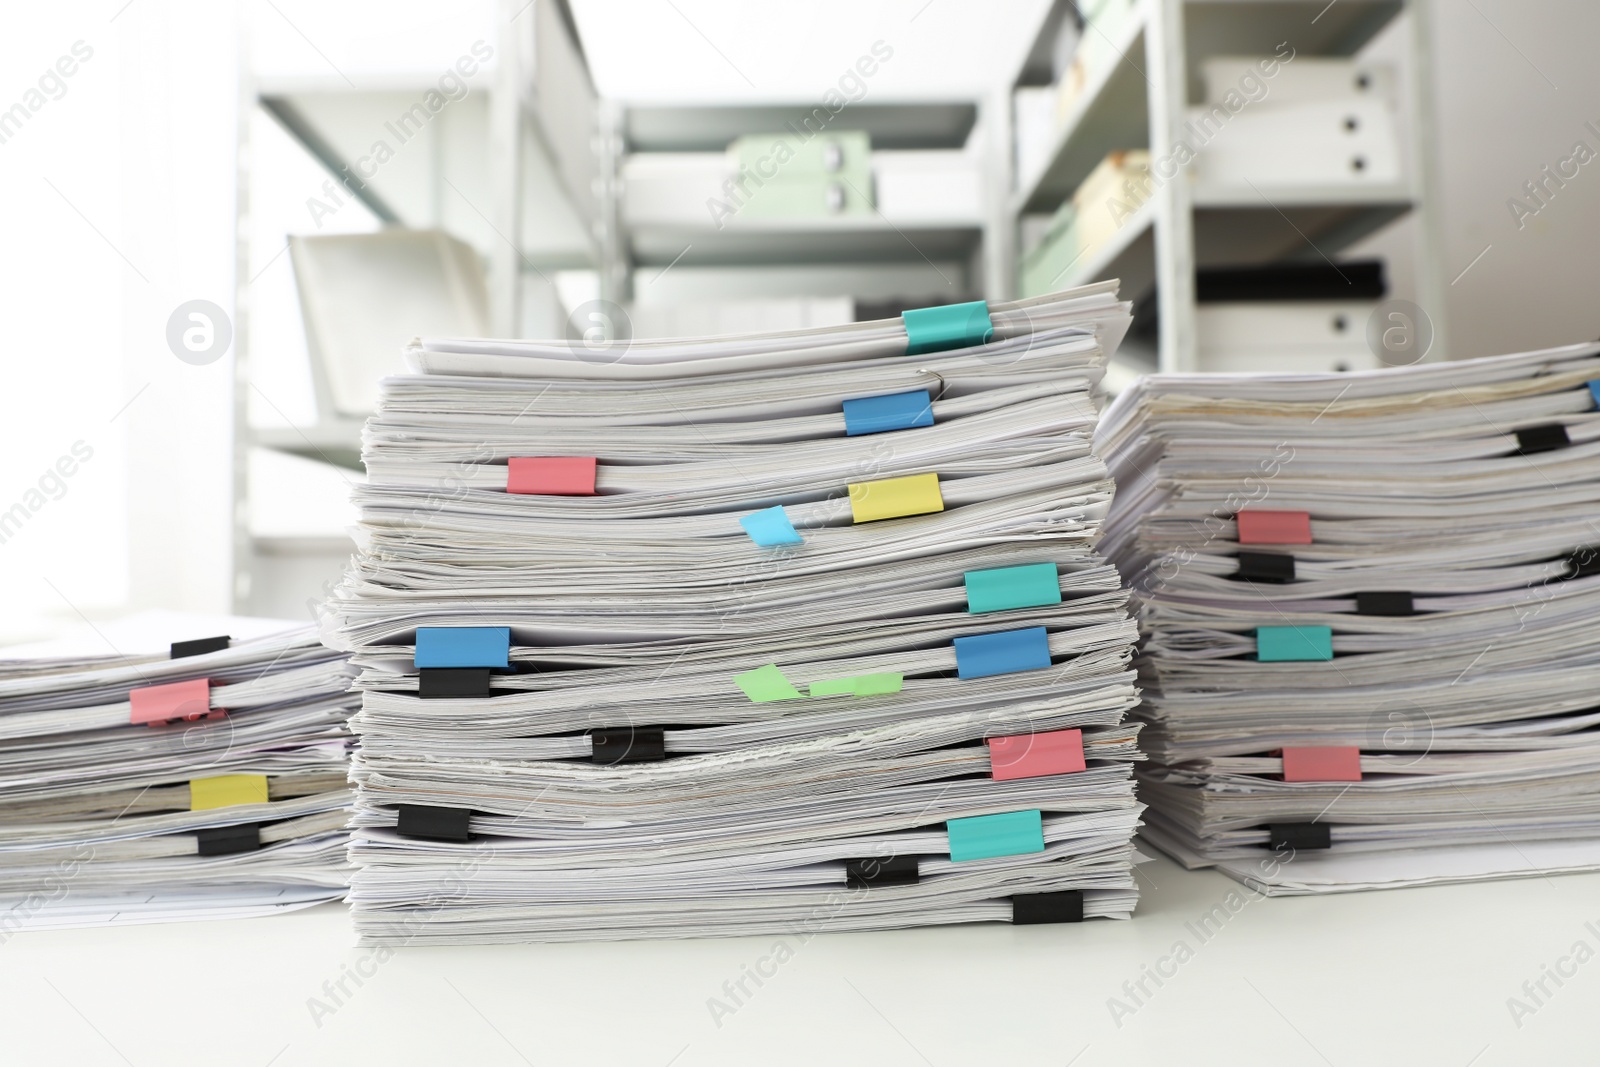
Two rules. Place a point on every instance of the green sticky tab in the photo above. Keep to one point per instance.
(1280, 643)
(860, 685)
(871, 685)
(766, 684)
(942, 328)
(982, 837)
(1033, 585)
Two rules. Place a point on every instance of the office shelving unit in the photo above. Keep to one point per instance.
(928, 233)
(509, 169)
(1141, 101)
(540, 174)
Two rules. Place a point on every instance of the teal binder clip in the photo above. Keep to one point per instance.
(1032, 585)
(942, 328)
(982, 837)
(1280, 644)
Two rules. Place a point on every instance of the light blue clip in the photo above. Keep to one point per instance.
(769, 527)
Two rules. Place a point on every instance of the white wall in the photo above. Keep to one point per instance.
(1517, 81)
(1498, 122)
(117, 179)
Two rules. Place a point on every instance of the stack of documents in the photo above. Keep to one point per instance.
(1367, 603)
(172, 771)
(742, 634)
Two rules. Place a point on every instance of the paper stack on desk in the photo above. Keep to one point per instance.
(167, 771)
(1368, 608)
(742, 634)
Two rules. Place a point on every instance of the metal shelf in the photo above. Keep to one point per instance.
(670, 158)
(833, 240)
(336, 443)
(1141, 101)
(1107, 116)
(709, 128)
(1129, 256)
(1230, 229)
(1258, 27)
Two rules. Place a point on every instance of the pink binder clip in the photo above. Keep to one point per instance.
(155, 705)
(1331, 764)
(1274, 527)
(1036, 755)
(551, 475)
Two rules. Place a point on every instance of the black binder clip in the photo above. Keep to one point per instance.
(1299, 836)
(879, 871)
(627, 744)
(226, 840)
(434, 824)
(1038, 909)
(1583, 563)
(1277, 567)
(1385, 604)
(453, 682)
(199, 646)
(1545, 438)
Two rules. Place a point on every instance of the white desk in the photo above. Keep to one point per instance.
(1414, 977)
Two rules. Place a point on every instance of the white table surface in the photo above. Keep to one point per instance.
(1415, 977)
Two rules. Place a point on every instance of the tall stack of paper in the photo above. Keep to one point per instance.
(1368, 610)
(144, 781)
(771, 632)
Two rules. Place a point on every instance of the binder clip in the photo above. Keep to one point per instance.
(1006, 652)
(887, 870)
(628, 744)
(456, 661)
(551, 475)
(157, 705)
(892, 411)
(981, 837)
(431, 823)
(1038, 909)
(453, 682)
(1385, 604)
(1036, 755)
(1547, 438)
(939, 329)
(1275, 567)
(1340, 763)
(199, 646)
(1299, 836)
(227, 840)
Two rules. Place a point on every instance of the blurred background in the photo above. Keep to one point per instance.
(224, 221)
